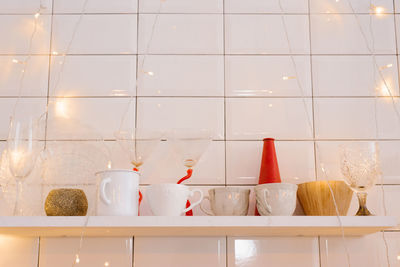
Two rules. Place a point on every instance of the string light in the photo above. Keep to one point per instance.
(77, 260)
(150, 73)
(106, 264)
(386, 66)
(37, 15)
(377, 9)
(285, 78)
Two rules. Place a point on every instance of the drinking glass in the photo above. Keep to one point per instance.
(360, 167)
(22, 151)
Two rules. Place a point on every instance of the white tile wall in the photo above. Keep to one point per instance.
(223, 65)
(259, 34)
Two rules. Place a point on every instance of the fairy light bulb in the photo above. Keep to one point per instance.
(106, 264)
(61, 108)
(109, 165)
(77, 260)
(150, 73)
(285, 78)
(386, 66)
(37, 15)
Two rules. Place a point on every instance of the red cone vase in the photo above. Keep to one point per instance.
(269, 171)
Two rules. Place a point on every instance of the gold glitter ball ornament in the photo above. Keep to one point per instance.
(66, 202)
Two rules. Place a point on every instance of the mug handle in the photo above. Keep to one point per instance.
(103, 195)
(203, 209)
(267, 206)
(195, 203)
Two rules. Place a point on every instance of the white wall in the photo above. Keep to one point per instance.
(217, 64)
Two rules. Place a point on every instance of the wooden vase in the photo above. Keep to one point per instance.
(316, 198)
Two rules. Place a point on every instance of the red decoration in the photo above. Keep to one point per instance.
(189, 174)
(269, 171)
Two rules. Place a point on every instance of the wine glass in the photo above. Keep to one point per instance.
(22, 151)
(138, 144)
(190, 144)
(360, 167)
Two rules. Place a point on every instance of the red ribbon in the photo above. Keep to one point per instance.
(189, 174)
(140, 193)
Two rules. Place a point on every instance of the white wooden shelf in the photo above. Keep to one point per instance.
(195, 226)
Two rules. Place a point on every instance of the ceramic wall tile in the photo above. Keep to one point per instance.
(267, 76)
(181, 6)
(96, 6)
(258, 118)
(260, 34)
(25, 7)
(387, 115)
(359, 6)
(19, 251)
(274, 251)
(172, 113)
(167, 75)
(368, 251)
(344, 34)
(273, 6)
(87, 118)
(35, 80)
(95, 252)
(180, 251)
(19, 28)
(93, 76)
(328, 157)
(96, 34)
(35, 106)
(295, 160)
(350, 118)
(355, 76)
(181, 34)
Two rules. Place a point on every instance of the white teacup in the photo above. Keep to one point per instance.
(276, 199)
(118, 193)
(227, 201)
(170, 199)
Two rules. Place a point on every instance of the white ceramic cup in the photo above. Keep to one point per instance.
(276, 199)
(227, 201)
(170, 199)
(118, 193)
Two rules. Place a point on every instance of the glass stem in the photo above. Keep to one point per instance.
(17, 207)
(362, 200)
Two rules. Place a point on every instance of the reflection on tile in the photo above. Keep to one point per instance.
(96, 34)
(267, 76)
(93, 76)
(171, 113)
(274, 251)
(368, 251)
(96, 6)
(271, 6)
(181, 34)
(295, 159)
(109, 252)
(35, 80)
(87, 118)
(259, 34)
(18, 251)
(374, 6)
(181, 6)
(354, 76)
(181, 75)
(19, 28)
(340, 34)
(258, 118)
(180, 251)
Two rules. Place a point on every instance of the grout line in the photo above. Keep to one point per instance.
(201, 13)
(137, 66)
(203, 54)
(133, 249)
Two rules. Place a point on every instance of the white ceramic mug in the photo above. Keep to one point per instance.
(118, 193)
(170, 199)
(227, 201)
(276, 199)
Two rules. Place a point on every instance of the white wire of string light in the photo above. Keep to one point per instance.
(310, 124)
(141, 66)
